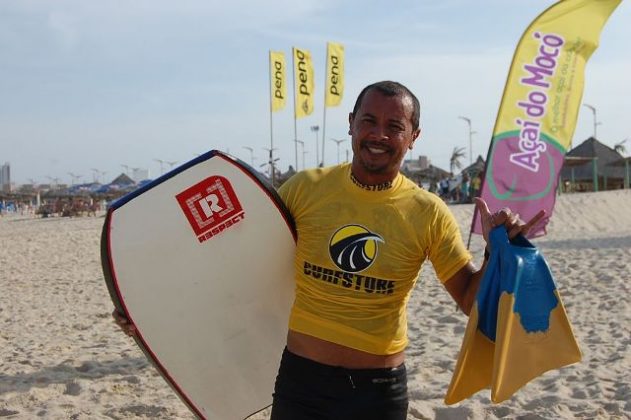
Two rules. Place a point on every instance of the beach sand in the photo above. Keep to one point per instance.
(62, 357)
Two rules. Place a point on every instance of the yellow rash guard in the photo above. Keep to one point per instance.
(359, 254)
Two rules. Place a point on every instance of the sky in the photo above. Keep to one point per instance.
(91, 89)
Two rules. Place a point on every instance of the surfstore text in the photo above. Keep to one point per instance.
(349, 280)
(535, 104)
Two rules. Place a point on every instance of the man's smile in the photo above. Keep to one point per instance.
(375, 149)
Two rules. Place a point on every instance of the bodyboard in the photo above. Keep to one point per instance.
(201, 262)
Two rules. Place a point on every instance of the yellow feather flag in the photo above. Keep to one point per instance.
(304, 83)
(334, 74)
(538, 110)
(278, 87)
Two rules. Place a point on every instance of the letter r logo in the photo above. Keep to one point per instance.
(209, 203)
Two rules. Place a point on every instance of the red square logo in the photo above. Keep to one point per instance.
(211, 206)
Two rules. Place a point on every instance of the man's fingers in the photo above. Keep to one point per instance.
(483, 208)
(536, 219)
(516, 230)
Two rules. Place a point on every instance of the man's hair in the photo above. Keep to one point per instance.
(390, 88)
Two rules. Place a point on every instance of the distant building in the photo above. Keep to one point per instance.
(476, 168)
(591, 166)
(123, 180)
(422, 172)
(5, 177)
(415, 165)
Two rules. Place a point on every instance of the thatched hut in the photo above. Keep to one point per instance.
(588, 167)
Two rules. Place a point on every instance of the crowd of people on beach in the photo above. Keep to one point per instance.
(61, 207)
(459, 190)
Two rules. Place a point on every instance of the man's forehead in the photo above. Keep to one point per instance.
(374, 95)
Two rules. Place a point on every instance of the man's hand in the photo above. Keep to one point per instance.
(463, 285)
(124, 323)
(514, 224)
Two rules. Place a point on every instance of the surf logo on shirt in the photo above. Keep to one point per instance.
(211, 206)
(353, 248)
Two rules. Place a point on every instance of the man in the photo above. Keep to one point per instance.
(475, 186)
(364, 231)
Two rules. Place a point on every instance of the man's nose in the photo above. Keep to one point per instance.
(378, 132)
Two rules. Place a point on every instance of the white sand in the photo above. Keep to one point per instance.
(61, 356)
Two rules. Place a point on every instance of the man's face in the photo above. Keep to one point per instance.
(382, 133)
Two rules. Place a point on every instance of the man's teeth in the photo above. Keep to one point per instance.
(377, 151)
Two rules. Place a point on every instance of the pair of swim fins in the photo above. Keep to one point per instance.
(518, 328)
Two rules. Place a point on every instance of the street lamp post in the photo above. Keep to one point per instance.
(161, 162)
(338, 141)
(471, 132)
(55, 182)
(302, 143)
(98, 174)
(251, 154)
(95, 175)
(596, 122)
(271, 162)
(135, 173)
(315, 129)
(73, 178)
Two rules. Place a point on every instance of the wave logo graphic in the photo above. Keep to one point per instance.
(353, 248)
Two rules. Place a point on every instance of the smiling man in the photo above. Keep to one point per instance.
(364, 231)
(384, 125)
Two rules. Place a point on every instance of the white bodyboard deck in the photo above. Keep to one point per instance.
(201, 262)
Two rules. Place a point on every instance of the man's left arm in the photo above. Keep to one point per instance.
(463, 286)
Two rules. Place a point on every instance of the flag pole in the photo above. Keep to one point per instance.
(326, 75)
(323, 130)
(293, 62)
(271, 119)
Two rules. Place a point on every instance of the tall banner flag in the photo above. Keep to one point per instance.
(278, 88)
(539, 108)
(334, 74)
(333, 83)
(303, 82)
(278, 95)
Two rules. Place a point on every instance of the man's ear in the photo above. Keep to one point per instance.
(415, 135)
(350, 122)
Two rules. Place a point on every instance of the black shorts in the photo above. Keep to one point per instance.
(310, 390)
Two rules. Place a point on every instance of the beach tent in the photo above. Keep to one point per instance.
(123, 181)
(83, 189)
(476, 168)
(587, 167)
(423, 173)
